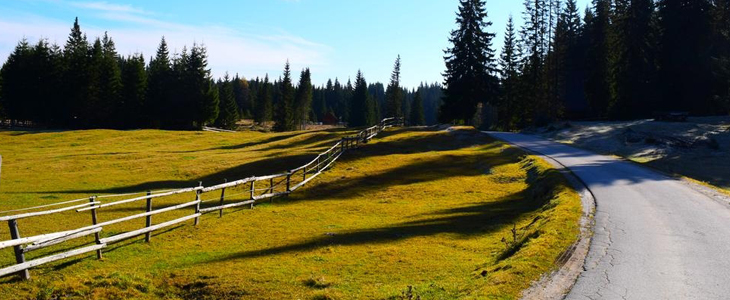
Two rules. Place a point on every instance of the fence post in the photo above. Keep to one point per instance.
(94, 221)
(288, 181)
(148, 219)
(223, 197)
(253, 191)
(304, 174)
(19, 256)
(271, 189)
(197, 206)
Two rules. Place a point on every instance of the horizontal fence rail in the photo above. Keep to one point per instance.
(255, 188)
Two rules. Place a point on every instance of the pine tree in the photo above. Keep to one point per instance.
(242, 95)
(535, 43)
(76, 75)
(263, 102)
(110, 85)
(470, 64)
(631, 61)
(721, 55)
(228, 108)
(303, 99)
(284, 113)
(597, 85)
(211, 102)
(17, 82)
(131, 109)
(417, 116)
(684, 62)
(362, 108)
(393, 94)
(92, 109)
(160, 79)
(571, 53)
(204, 93)
(508, 107)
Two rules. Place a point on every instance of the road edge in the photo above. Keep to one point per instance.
(558, 283)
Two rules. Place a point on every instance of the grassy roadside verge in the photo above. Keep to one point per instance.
(440, 215)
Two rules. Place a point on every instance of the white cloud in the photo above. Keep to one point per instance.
(105, 6)
(229, 50)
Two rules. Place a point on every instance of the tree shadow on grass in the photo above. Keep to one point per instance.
(283, 162)
(260, 167)
(465, 222)
(425, 170)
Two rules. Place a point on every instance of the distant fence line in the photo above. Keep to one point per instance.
(259, 188)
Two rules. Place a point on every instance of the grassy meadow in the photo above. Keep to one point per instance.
(414, 213)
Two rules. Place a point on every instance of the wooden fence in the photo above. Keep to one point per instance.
(257, 188)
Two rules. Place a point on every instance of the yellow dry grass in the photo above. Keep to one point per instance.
(440, 215)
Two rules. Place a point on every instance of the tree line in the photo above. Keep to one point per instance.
(620, 59)
(89, 85)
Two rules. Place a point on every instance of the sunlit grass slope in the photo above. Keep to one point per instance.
(435, 214)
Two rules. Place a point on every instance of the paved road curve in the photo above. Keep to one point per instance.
(655, 237)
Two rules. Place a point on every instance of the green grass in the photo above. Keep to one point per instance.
(440, 215)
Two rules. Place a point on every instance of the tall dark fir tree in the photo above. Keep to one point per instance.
(509, 109)
(393, 94)
(159, 93)
(263, 104)
(470, 65)
(362, 108)
(76, 75)
(284, 112)
(632, 60)
(130, 110)
(597, 84)
(228, 109)
(303, 99)
(684, 59)
(417, 117)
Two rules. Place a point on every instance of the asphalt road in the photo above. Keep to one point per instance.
(655, 237)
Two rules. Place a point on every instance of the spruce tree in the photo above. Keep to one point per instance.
(393, 94)
(203, 93)
(228, 108)
(362, 108)
(721, 55)
(17, 82)
(211, 102)
(508, 106)
(571, 53)
(92, 109)
(684, 62)
(632, 56)
(534, 42)
(76, 75)
(110, 85)
(263, 102)
(303, 99)
(417, 116)
(131, 111)
(284, 112)
(597, 86)
(160, 79)
(470, 64)
(242, 95)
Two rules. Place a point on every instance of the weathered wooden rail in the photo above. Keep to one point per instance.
(256, 188)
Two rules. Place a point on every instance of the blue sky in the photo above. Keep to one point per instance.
(334, 38)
